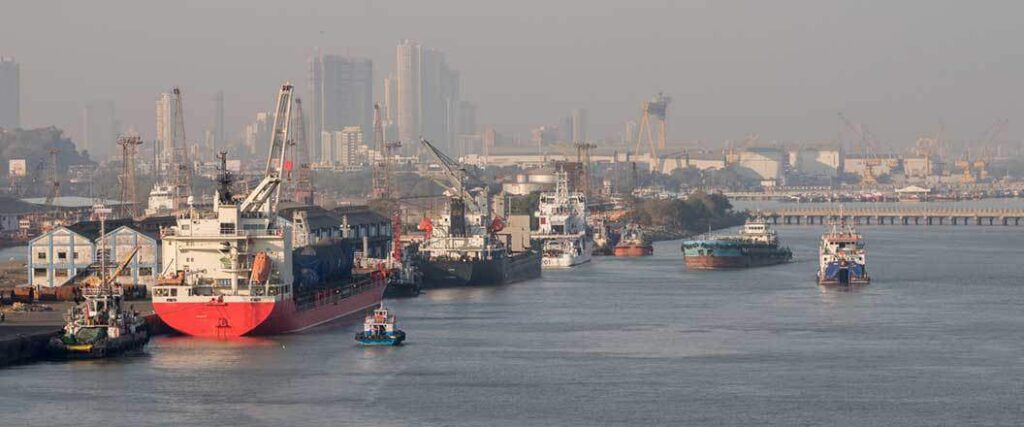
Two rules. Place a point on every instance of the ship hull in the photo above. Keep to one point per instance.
(234, 318)
(633, 250)
(837, 274)
(457, 273)
(712, 262)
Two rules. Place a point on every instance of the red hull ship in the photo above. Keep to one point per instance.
(234, 272)
(633, 242)
(226, 316)
(633, 250)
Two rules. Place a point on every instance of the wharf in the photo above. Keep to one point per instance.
(23, 335)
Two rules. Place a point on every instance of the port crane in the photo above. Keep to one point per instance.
(304, 191)
(458, 176)
(265, 196)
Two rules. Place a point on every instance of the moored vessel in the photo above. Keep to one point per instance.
(463, 246)
(233, 271)
(756, 245)
(841, 256)
(564, 235)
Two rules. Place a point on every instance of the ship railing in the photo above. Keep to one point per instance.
(236, 233)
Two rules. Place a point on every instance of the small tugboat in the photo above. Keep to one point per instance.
(633, 242)
(841, 256)
(380, 328)
(100, 327)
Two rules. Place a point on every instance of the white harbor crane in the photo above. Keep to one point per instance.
(264, 197)
(457, 180)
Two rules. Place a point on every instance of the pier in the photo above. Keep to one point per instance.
(918, 214)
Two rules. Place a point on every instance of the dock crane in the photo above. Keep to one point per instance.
(458, 177)
(265, 196)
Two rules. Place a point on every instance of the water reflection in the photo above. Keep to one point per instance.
(180, 351)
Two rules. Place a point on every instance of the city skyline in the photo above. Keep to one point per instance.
(777, 73)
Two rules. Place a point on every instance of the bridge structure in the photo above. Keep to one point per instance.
(893, 215)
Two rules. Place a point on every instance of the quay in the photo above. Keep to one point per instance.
(917, 214)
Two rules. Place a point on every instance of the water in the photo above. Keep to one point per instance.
(14, 253)
(938, 339)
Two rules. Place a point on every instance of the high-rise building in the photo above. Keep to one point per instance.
(409, 97)
(165, 111)
(342, 94)
(348, 141)
(217, 141)
(579, 125)
(427, 96)
(99, 129)
(10, 93)
(257, 135)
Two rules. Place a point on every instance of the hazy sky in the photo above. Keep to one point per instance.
(781, 69)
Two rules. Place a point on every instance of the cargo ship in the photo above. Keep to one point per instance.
(756, 245)
(564, 236)
(633, 242)
(463, 246)
(233, 271)
(841, 256)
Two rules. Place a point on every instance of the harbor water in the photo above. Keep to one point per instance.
(937, 339)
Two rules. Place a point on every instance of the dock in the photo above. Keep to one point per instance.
(907, 215)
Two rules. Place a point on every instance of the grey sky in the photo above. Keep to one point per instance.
(781, 69)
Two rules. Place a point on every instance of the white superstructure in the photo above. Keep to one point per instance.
(565, 239)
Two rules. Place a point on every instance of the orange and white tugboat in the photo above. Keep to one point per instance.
(233, 271)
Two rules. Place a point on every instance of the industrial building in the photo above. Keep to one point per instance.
(360, 225)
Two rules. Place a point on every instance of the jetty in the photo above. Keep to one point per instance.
(903, 214)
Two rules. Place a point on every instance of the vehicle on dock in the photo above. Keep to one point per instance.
(633, 242)
(380, 328)
(564, 236)
(842, 258)
(756, 245)
(100, 327)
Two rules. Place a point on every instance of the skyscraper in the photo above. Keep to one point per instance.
(100, 129)
(407, 70)
(342, 94)
(579, 125)
(165, 111)
(218, 140)
(428, 95)
(257, 135)
(10, 93)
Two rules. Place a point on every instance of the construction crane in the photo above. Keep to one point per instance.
(305, 192)
(583, 158)
(265, 196)
(656, 108)
(182, 166)
(54, 183)
(129, 146)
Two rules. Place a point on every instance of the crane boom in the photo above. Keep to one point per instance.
(264, 197)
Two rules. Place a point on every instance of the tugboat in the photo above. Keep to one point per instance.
(100, 327)
(633, 242)
(756, 245)
(564, 236)
(841, 257)
(380, 328)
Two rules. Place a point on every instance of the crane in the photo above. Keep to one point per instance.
(54, 183)
(457, 179)
(304, 190)
(264, 197)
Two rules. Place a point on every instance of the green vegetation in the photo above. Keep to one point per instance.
(699, 212)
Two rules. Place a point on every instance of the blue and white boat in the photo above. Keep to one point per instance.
(841, 256)
(380, 328)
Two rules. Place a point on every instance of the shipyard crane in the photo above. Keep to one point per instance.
(304, 190)
(458, 176)
(54, 183)
(265, 196)
(129, 198)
